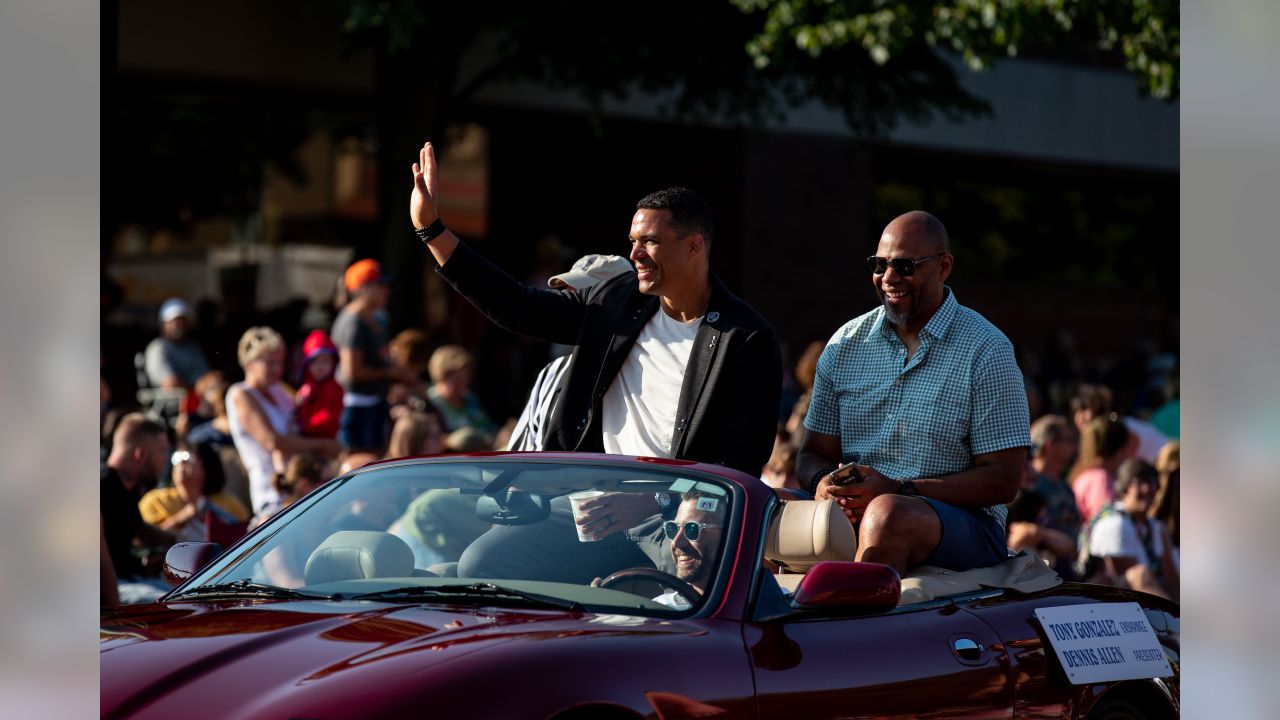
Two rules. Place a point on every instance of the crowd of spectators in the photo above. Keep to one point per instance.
(1099, 499)
(302, 413)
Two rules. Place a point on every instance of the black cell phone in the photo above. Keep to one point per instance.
(846, 475)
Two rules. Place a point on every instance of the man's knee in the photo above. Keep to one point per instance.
(890, 518)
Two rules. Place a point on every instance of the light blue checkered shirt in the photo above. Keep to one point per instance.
(961, 395)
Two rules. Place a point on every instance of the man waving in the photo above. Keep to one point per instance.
(667, 362)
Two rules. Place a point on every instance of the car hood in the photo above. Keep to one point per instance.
(255, 658)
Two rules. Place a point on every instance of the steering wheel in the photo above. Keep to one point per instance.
(668, 580)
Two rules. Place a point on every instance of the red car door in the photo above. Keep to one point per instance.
(933, 660)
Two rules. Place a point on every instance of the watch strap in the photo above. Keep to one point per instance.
(817, 478)
(431, 232)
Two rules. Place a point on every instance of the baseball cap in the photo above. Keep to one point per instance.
(318, 343)
(590, 270)
(364, 272)
(174, 307)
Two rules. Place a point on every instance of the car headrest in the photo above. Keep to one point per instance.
(807, 532)
(358, 554)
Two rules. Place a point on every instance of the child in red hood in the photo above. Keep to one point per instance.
(319, 399)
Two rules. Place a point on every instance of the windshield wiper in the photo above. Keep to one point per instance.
(247, 588)
(485, 590)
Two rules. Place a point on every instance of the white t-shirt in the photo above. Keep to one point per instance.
(673, 599)
(640, 406)
(1115, 535)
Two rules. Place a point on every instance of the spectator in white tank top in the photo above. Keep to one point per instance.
(260, 412)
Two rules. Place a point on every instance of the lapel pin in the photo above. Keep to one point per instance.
(713, 316)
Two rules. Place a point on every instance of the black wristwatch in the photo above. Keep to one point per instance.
(908, 488)
(431, 232)
(817, 478)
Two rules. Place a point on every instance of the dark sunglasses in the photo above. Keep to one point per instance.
(691, 529)
(906, 267)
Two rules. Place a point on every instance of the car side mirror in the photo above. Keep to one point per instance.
(838, 584)
(186, 559)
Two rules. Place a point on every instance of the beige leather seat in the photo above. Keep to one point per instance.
(358, 554)
(805, 533)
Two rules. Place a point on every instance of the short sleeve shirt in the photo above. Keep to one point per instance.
(165, 359)
(351, 331)
(470, 415)
(1059, 504)
(121, 521)
(1115, 535)
(960, 394)
(1094, 489)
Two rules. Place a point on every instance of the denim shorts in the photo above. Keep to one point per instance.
(970, 538)
(364, 428)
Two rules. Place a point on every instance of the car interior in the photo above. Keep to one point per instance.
(354, 543)
(359, 554)
(802, 534)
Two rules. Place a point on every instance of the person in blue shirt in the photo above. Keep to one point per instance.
(920, 401)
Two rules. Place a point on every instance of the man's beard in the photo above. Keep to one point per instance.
(893, 316)
(693, 572)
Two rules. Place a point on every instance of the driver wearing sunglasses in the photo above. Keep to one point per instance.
(695, 543)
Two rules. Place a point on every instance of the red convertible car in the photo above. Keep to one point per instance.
(545, 585)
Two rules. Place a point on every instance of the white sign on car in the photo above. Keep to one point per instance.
(1104, 642)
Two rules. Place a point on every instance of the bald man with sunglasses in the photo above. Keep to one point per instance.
(918, 424)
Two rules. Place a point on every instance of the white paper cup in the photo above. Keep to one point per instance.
(575, 502)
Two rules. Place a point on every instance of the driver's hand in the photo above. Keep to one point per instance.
(614, 512)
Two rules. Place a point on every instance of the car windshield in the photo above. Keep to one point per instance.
(600, 536)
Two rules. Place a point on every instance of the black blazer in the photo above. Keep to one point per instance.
(728, 410)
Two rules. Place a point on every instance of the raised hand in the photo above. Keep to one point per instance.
(422, 203)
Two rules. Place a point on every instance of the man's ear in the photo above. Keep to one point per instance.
(945, 263)
(697, 244)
